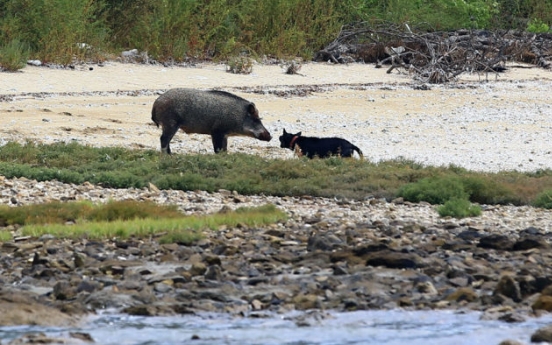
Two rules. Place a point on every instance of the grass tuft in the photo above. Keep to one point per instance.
(14, 55)
(58, 212)
(124, 219)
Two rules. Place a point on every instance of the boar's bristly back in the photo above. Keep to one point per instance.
(214, 112)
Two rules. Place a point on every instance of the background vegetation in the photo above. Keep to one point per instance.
(60, 31)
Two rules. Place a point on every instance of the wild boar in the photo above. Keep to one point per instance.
(217, 113)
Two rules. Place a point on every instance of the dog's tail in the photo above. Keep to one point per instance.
(359, 151)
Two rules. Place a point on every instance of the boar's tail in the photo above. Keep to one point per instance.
(154, 117)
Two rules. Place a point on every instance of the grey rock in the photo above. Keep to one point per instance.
(542, 335)
(214, 272)
(496, 241)
(530, 242)
(508, 287)
(393, 259)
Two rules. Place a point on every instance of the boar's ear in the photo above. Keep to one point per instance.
(251, 109)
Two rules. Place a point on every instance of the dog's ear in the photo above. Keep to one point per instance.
(285, 131)
(298, 134)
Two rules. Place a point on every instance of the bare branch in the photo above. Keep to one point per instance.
(436, 57)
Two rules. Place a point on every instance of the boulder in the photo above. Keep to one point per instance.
(542, 335)
(543, 302)
(508, 287)
(22, 308)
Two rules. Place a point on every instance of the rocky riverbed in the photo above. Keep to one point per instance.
(340, 255)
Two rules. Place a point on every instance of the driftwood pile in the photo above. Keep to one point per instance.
(437, 57)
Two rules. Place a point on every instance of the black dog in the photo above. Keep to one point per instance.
(318, 147)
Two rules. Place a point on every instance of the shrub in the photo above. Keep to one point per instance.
(486, 190)
(56, 31)
(435, 190)
(459, 208)
(240, 65)
(537, 26)
(14, 55)
(181, 237)
(5, 236)
(544, 199)
(127, 218)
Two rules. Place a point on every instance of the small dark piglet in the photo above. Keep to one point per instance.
(318, 147)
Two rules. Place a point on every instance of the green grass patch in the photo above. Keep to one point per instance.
(140, 228)
(63, 212)
(129, 219)
(118, 167)
(5, 236)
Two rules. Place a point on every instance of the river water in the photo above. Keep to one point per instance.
(394, 327)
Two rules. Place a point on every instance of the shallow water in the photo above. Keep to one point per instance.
(395, 327)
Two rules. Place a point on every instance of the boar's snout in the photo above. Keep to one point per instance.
(264, 136)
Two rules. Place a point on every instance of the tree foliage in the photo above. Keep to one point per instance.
(177, 30)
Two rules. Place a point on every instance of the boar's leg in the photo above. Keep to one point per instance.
(166, 137)
(220, 141)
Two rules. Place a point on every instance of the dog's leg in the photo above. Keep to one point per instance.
(298, 151)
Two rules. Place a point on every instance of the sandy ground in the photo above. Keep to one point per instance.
(489, 124)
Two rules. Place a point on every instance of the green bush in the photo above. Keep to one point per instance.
(435, 190)
(544, 199)
(486, 190)
(459, 208)
(438, 14)
(14, 55)
(124, 219)
(56, 30)
(537, 26)
(479, 188)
